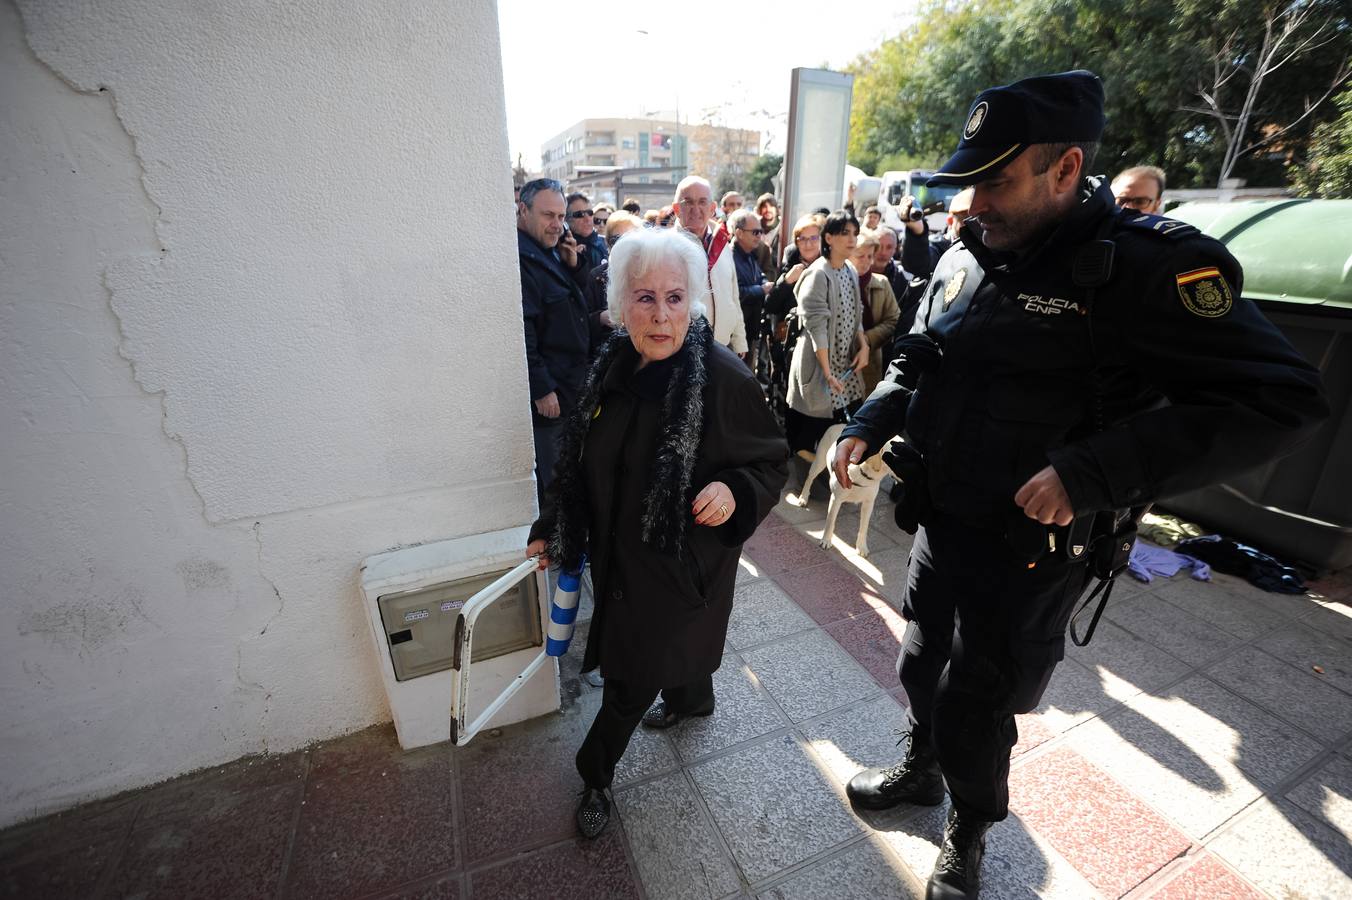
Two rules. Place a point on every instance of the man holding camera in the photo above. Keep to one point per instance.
(1070, 363)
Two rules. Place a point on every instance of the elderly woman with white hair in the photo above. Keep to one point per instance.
(668, 463)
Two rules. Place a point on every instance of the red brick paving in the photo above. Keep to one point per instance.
(1207, 878)
(1111, 838)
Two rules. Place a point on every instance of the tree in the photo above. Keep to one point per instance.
(1241, 63)
(1328, 171)
(758, 176)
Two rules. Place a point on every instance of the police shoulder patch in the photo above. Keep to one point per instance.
(1170, 228)
(1204, 292)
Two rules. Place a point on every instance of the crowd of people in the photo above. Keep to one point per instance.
(1053, 361)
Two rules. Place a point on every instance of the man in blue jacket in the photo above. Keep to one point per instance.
(558, 344)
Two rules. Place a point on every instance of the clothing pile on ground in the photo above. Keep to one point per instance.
(1194, 549)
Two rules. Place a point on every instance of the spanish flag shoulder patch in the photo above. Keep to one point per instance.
(1204, 292)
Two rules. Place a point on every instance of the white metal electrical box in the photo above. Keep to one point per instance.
(459, 631)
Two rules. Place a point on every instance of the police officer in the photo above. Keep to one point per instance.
(1069, 359)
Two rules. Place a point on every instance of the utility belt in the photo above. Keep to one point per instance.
(1103, 540)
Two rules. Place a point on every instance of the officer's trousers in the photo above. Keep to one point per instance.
(983, 633)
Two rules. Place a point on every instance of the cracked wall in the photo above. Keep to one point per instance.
(255, 327)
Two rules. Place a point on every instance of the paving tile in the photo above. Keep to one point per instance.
(1016, 865)
(743, 711)
(1074, 695)
(782, 549)
(1114, 840)
(862, 736)
(789, 513)
(1171, 629)
(1206, 878)
(91, 823)
(235, 849)
(69, 873)
(809, 674)
(1306, 648)
(373, 828)
(846, 536)
(1333, 617)
(675, 847)
(648, 753)
(520, 789)
(1299, 697)
(831, 592)
(1199, 754)
(370, 748)
(204, 791)
(574, 870)
(865, 871)
(1230, 611)
(1125, 664)
(747, 571)
(1327, 795)
(773, 806)
(874, 640)
(442, 887)
(762, 612)
(886, 569)
(1287, 853)
(1032, 733)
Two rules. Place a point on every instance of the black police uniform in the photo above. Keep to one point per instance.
(1158, 381)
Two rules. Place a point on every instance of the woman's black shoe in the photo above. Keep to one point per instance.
(593, 813)
(660, 717)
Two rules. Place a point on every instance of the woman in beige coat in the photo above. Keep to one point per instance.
(880, 312)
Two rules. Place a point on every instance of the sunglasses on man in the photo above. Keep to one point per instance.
(581, 214)
(756, 231)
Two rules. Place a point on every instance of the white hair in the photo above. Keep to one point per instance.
(645, 249)
(689, 180)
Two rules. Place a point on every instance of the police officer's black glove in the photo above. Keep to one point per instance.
(913, 507)
(913, 356)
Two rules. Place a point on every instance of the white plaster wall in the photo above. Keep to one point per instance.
(258, 320)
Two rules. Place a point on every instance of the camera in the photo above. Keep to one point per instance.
(915, 214)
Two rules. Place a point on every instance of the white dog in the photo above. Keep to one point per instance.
(867, 477)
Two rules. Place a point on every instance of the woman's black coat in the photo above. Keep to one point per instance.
(661, 620)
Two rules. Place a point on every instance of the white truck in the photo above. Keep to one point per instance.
(934, 200)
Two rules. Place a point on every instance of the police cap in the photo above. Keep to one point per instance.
(1046, 109)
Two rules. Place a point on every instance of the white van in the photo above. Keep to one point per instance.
(934, 200)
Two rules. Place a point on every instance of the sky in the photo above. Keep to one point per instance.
(725, 62)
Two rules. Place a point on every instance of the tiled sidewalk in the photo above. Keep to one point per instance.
(1193, 750)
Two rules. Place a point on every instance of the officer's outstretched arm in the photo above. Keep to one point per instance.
(1239, 393)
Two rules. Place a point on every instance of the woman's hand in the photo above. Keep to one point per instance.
(861, 356)
(714, 505)
(537, 548)
(795, 273)
(837, 386)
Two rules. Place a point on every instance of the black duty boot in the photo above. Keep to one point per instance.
(957, 873)
(916, 779)
(593, 813)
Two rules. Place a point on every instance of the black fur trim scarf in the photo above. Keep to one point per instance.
(666, 508)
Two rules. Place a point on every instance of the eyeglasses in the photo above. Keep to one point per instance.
(755, 231)
(581, 214)
(808, 240)
(1135, 202)
(599, 221)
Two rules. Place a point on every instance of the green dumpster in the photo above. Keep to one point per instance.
(1297, 259)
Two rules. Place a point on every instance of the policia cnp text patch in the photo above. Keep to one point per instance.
(1204, 292)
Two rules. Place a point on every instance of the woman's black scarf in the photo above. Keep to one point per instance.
(666, 507)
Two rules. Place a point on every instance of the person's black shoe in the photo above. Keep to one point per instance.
(957, 873)
(660, 717)
(593, 813)
(916, 779)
